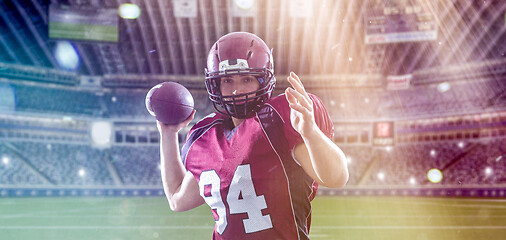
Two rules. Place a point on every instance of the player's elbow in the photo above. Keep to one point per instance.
(174, 205)
(179, 203)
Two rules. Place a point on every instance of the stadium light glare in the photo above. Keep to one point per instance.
(461, 144)
(81, 172)
(381, 176)
(332, 102)
(434, 175)
(343, 105)
(66, 55)
(49, 146)
(5, 160)
(443, 87)
(129, 11)
(244, 4)
(412, 181)
(498, 158)
(433, 153)
(388, 148)
(488, 171)
(67, 118)
(101, 134)
(113, 99)
(366, 100)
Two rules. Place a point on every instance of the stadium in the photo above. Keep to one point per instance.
(416, 90)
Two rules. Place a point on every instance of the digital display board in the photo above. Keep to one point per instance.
(89, 24)
(383, 134)
(400, 23)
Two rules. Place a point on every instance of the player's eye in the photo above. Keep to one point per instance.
(226, 80)
(248, 79)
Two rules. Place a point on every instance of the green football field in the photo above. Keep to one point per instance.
(333, 218)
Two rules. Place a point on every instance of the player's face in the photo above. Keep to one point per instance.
(238, 84)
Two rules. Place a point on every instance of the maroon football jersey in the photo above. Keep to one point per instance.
(248, 175)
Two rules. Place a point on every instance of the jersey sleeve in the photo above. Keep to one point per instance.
(322, 119)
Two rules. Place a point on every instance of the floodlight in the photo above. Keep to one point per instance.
(129, 11)
(435, 175)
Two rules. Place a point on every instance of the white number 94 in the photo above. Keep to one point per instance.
(242, 184)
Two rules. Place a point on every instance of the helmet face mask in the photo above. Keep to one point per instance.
(239, 53)
(243, 105)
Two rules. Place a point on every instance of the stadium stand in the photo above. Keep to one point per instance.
(61, 163)
(140, 167)
(14, 172)
(56, 100)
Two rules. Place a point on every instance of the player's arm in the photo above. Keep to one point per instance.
(181, 188)
(320, 158)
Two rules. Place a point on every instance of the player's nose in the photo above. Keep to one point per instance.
(238, 89)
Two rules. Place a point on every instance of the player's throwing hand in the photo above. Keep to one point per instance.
(165, 129)
(301, 106)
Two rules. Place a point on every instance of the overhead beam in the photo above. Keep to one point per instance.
(8, 48)
(162, 55)
(131, 38)
(21, 40)
(168, 29)
(332, 45)
(35, 33)
(448, 17)
(464, 35)
(450, 34)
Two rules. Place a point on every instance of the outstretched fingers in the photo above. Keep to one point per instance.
(296, 83)
(297, 93)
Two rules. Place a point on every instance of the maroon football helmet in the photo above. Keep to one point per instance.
(240, 53)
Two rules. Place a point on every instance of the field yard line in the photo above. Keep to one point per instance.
(408, 216)
(209, 227)
(112, 216)
(102, 227)
(75, 210)
(441, 203)
(476, 205)
(482, 200)
(408, 227)
(318, 235)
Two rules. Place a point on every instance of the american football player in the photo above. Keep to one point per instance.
(257, 162)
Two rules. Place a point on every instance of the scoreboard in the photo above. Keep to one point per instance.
(83, 23)
(383, 133)
(400, 23)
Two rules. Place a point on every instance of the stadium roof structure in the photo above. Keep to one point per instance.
(329, 39)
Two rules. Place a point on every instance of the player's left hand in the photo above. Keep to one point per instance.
(301, 106)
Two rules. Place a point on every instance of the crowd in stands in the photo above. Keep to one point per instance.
(342, 104)
(406, 164)
(131, 104)
(56, 101)
(482, 165)
(14, 172)
(66, 164)
(462, 164)
(137, 165)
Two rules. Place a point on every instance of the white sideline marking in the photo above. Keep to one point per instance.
(318, 235)
(210, 227)
(412, 216)
(408, 227)
(103, 227)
